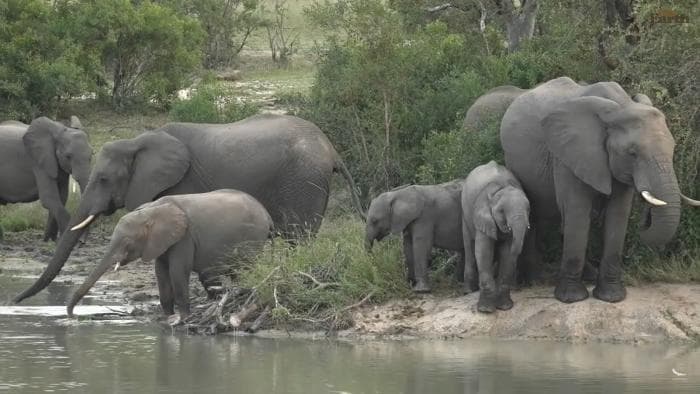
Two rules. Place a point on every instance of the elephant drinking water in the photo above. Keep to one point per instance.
(283, 161)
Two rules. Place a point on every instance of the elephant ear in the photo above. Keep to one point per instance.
(406, 206)
(165, 224)
(39, 143)
(575, 133)
(642, 98)
(483, 218)
(160, 161)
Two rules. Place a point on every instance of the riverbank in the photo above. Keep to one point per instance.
(652, 313)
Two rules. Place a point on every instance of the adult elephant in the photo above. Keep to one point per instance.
(37, 161)
(490, 106)
(573, 147)
(283, 161)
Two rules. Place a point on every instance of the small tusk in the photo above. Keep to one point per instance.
(653, 200)
(116, 266)
(690, 201)
(677, 373)
(83, 223)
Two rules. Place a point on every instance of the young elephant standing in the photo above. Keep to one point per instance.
(496, 218)
(427, 215)
(184, 233)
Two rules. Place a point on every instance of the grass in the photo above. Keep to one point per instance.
(320, 280)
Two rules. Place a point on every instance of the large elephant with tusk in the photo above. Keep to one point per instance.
(283, 161)
(574, 147)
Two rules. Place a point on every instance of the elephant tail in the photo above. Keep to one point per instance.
(340, 167)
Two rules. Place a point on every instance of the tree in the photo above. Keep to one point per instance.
(281, 37)
(145, 50)
(38, 61)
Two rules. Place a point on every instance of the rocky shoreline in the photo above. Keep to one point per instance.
(653, 313)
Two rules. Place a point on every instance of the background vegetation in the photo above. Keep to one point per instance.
(388, 81)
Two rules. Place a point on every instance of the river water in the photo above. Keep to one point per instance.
(55, 354)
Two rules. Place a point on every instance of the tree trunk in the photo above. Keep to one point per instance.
(520, 21)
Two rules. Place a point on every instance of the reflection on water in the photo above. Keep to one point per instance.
(42, 353)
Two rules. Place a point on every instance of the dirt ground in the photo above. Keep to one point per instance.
(651, 313)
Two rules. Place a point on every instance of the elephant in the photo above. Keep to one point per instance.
(426, 216)
(283, 161)
(495, 220)
(490, 106)
(574, 147)
(38, 161)
(204, 232)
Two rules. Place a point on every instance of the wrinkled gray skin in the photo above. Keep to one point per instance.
(206, 233)
(573, 147)
(283, 161)
(490, 106)
(495, 221)
(427, 216)
(37, 160)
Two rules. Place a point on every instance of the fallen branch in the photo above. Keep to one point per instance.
(259, 321)
(319, 284)
(358, 304)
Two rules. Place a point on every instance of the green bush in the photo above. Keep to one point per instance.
(316, 281)
(211, 104)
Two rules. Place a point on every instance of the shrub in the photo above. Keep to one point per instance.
(211, 104)
(317, 281)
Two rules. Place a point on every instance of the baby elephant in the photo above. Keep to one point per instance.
(204, 233)
(427, 215)
(496, 218)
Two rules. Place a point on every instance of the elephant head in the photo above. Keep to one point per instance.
(54, 147)
(127, 173)
(505, 210)
(145, 233)
(602, 141)
(391, 212)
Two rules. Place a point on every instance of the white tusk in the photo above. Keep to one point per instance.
(653, 200)
(116, 266)
(83, 223)
(690, 201)
(677, 373)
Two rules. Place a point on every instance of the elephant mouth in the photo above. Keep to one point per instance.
(646, 217)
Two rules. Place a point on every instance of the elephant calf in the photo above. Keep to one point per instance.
(202, 232)
(496, 214)
(427, 215)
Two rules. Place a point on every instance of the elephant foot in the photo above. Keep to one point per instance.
(487, 302)
(470, 287)
(421, 286)
(504, 302)
(590, 272)
(610, 292)
(570, 291)
(174, 320)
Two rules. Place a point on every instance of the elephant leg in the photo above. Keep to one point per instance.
(180, 258)
(165, 288)
(458, 260)
(209, 280)
(51, 228)
(50, 196)
(506, 275)
(408, 257)
(529, 267)
(483, 246)
(422, 245)
(609, 286)
(470, 283)
(574, 200)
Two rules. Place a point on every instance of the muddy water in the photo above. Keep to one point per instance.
(52, 354)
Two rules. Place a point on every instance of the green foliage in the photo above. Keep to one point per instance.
(37, 61)
(211, 104)
(21, 217)
(141, 51)
(344, 274)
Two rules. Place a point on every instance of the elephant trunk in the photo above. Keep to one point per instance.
(519, 230)
(65, 245)
(659, 224)
(369, 240)
(95, 275)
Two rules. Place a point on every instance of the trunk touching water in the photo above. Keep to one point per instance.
(660, 224)
(63, 249)
(95, 275)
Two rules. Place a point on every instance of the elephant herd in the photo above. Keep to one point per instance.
(197, 190)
